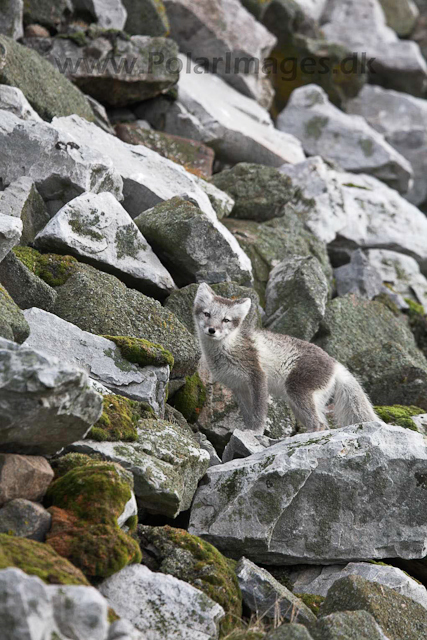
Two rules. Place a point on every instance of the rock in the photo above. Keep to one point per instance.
(351, 211)
(296, 297)
(348, 625)
(397, 615)
(360, 276)
(318, 580)
(400, 16)
(11, 17)
(220, 201)
(26, 477)
(12, 99)
(100, 358)
(61, 168)
(111, 67)
(22, 200)
(222, 35)
(402, 416)
(13, 325)
(267, 598)
(119, 418)
(10, 234)
(47, 90)
(97, 229)
(235, 126)
(256, 505)
(36, 31)
(347, 140)
(166, 462)
(162, 606)
(147, 177)
(194, 156)
(195, 247)
(289, 632)
(45, 405)
(421, 423)
(209, 448)
(45, 13)
(80, 612)
(124, 630)
(361, 25)
(99, 303)
(402, 120)
(175, 552)
(25, 519)
(241, 445)
(108, 14)
(26, 289)
(146, 18)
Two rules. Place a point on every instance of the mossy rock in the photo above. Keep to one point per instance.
(119, 420)
(147, 18)
(418, 324)
(13, 325)
(197, 562)
(245, 634)
(191, 398)
(142, 352)
(50, 267)
(313, 602)
(399, 415)
(70, 461)
(37, 559)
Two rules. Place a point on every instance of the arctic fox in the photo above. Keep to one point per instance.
(254, 363)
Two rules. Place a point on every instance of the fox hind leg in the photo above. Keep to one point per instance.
(306, 412)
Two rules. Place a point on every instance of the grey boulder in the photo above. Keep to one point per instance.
(25, 519)
(12, 99)
(25, 288)
(22, 200)
(11, 18)
(109, 14)
(401, 15)
(259, 505)
(360, 277)
(346, 625)
(10, 233)
(13, 325)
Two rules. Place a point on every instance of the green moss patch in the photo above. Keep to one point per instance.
(63, 465)
(190, 399)
(399, 415)
(142, 352)
(50, 267)
(313, 602)
(119, 419)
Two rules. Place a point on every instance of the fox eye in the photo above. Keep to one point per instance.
(226, 320)
(208, 315)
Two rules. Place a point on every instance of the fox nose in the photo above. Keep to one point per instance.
(211, 330)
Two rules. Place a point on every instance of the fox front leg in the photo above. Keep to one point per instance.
(253, 403)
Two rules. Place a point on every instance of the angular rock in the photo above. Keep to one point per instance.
(47, 90)
(348, 625)
(401, 15)
(61, 168)
(220, 201)
(166, 462)
(361, 25)
(146, 18)
(25, 287)
(296, 297)
(45, 405)
(209, 448)
(108, 14)
(256, 505)
(289, 632)
(22, 200)
(10, 234)
(80, 612)
(347, 140)
(318, 580)
(97, 229)
(11, 18)
(147, 177)
(398, 616)
(25, 519)
(13, 325)
(44, 12)
(241, 445)
(99, 303)
(360, 276)
(193, 246)
(101, 358)
(115, 70)
(235, 126)
(267, 598)
(162, 606)
(402, 120)
(26, 477)
(351, 211)
(12, 99)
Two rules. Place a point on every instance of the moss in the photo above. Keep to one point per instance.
(132, 523)
(66, 463)
(313, 602)
(191, 398)
(388, 302)
(53, 269)
(37, 559)
(367, 147)
(119, 419)
(112, 616)
(418, 324)
(315, 126)
(399, 415)
(142, 352)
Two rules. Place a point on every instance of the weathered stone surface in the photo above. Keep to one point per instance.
(207, 446)
(12, 99)
(162, 606)
(351, 211)
(166, 461)
(402, 120)
(348, 625)
(398, 616)
(259, 505)
(347, 140)
(47, 13)
(146, 18)
(401, 272)
(45, 405)
(112, 68)
(296, 297)
(97, 229)
(401, 15)
(235, 126)
(124, 630)
(13, 325)
(360, 276)
(289, 632)
(80, 612)
(10, 234)
(25, 519)
(267, 598)
(11, 17)
(398, 63)
(61, 168)
(101, 358)
(241, 445)
(147, 177)
(193, 246)
(25, 477)
(25, 287)
(47, 90)
(108, 14)
(221, 202)
(318, 580)
(22, 200)
(99, 303)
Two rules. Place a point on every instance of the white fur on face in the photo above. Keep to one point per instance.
(216, 319)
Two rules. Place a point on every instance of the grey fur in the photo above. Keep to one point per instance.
(254, 363)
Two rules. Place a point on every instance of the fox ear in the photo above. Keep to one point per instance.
(243, 307)
(204, 294)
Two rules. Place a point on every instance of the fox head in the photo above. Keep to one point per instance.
(218, 318)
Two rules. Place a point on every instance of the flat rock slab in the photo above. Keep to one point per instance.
(162, 606)
(100, 357)
(96, 228)
(260, 505)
